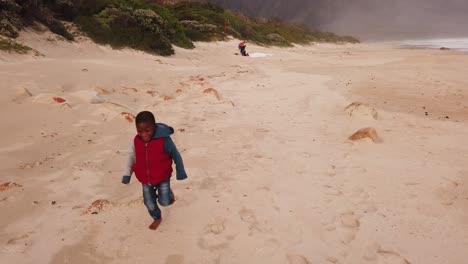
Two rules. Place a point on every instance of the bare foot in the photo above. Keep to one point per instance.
(155, 224)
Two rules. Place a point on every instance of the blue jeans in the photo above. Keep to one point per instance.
(164, 196)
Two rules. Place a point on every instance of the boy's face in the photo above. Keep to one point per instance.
(146, 131)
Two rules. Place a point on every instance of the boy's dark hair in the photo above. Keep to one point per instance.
(145, 117)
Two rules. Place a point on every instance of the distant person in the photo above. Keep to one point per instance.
(242, 47)
(151, 157)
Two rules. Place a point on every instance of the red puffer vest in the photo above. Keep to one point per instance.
(152, 164)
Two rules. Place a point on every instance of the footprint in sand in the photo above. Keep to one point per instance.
(360, 109)
(212, 238)
(269, 248)
(350, 220)
(22, 94)
(448, 194)
(213, 92)
(332, 171)
(364, 202)
(18, 244)
(391, 257)
(345, 229)
(98, 206)
(89, 96)
(174, 259)
(249, 217)
(133, 203)
(330, 190)
(217, 227)
(297, 259)
(371, 251)
(218, 96)
(35, 163)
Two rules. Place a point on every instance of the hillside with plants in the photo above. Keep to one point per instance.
(151, 27)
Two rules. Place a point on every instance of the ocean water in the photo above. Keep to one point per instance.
(451, 43)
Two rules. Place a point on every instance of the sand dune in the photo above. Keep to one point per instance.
(273, 177)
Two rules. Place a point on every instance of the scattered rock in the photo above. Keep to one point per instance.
(53, 202)
(166, 98)
(128, 116)
(58, 99)
(178, 91)
(444, 48)
(361, 109)
(9, 185)
(129, 89)
(213, 91)
(152, 93)
(84, 70)
(181, 130)
(368, 132)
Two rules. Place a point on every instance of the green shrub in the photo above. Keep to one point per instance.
(58, 28)
(9, 45)
(120, 28)
(143, 25)
(7, 28)
(9, 19)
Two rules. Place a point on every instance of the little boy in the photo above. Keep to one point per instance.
(151, 158)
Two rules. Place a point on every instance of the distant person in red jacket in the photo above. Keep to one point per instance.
(150, 158)
(242, 47)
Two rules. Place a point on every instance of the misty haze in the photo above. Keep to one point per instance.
(367, 19)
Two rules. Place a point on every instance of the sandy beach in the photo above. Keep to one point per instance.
(273, 176)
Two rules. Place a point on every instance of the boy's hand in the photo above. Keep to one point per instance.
(181, 176)
(126, 179)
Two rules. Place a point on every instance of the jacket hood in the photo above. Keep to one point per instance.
(162, 131)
